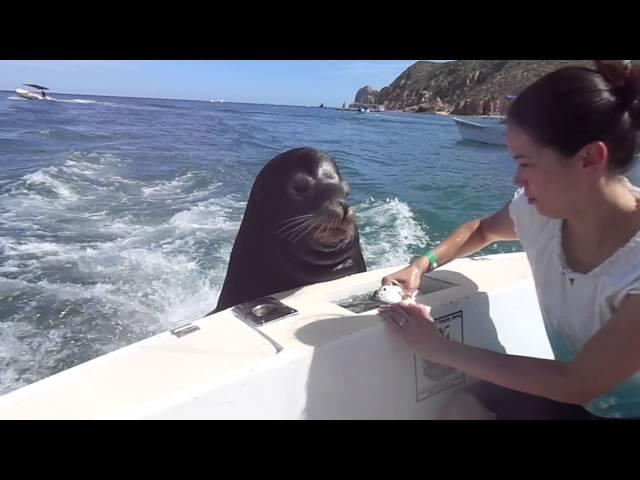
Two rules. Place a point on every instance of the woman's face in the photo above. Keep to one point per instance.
(551, 181)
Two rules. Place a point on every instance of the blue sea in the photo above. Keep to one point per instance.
(117, 215)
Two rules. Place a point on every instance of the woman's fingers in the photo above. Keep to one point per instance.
(393, 316)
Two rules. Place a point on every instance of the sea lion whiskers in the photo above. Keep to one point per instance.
(330, 222)
(297, 217)
(323, 225)
(289, 222)
(311, 224)
(303, 227)
(296, 226)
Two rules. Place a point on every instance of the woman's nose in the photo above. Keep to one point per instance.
(518, 181)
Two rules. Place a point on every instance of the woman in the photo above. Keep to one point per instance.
(573, 135)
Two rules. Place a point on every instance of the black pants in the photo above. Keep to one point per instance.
(509, 404)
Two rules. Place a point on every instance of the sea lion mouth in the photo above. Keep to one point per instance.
(329, 234)
(325, 229)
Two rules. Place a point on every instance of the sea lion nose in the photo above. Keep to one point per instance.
(345, 207)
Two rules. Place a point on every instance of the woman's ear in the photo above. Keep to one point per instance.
(594, 156)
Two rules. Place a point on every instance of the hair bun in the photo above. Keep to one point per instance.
(624, 80)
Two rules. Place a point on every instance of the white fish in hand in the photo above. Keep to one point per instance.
(393, 294)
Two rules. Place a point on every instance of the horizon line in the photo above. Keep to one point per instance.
(165, 98)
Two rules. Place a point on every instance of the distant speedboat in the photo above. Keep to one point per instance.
(493, 133)
(34, 92)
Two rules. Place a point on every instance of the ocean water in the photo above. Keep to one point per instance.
(117, 215)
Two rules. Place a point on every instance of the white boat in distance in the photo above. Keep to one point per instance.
(493, 133)
(35, 92)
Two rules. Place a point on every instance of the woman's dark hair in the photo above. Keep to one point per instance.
(574, 106)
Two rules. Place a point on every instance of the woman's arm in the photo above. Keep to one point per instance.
(475, 235)
(465, 240)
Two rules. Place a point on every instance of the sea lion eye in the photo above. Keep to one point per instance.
(301, 185)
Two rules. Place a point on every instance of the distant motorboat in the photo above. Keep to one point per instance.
(34, 92)
(493, 133)
(216, 101)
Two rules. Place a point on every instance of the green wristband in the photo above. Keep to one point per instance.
(433, 261)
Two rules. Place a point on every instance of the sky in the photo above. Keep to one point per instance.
(280, 82)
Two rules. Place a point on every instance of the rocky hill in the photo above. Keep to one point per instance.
(367, 95)
(463, 87)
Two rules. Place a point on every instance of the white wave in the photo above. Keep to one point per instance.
(177, 185)
(80, 101)
(41, 177)
(220, 214)
(132, 266)
(188, 304)
(20, 362)
(95, 160)
(35, 247)
(79, 179)
(44, 291)
(389, 232)
(64, 100)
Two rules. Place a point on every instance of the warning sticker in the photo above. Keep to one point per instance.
(433, 378)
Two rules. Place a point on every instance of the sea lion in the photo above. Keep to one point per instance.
(297, 229)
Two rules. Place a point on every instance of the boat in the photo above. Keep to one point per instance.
(34, 92)
(318, 352)
(493, 133)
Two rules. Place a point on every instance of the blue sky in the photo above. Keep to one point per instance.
(284, 82)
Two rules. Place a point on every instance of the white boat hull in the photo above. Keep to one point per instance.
(325, 362)
(29, 95)
(490, 133)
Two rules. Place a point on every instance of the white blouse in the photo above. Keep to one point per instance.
(576, 305)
